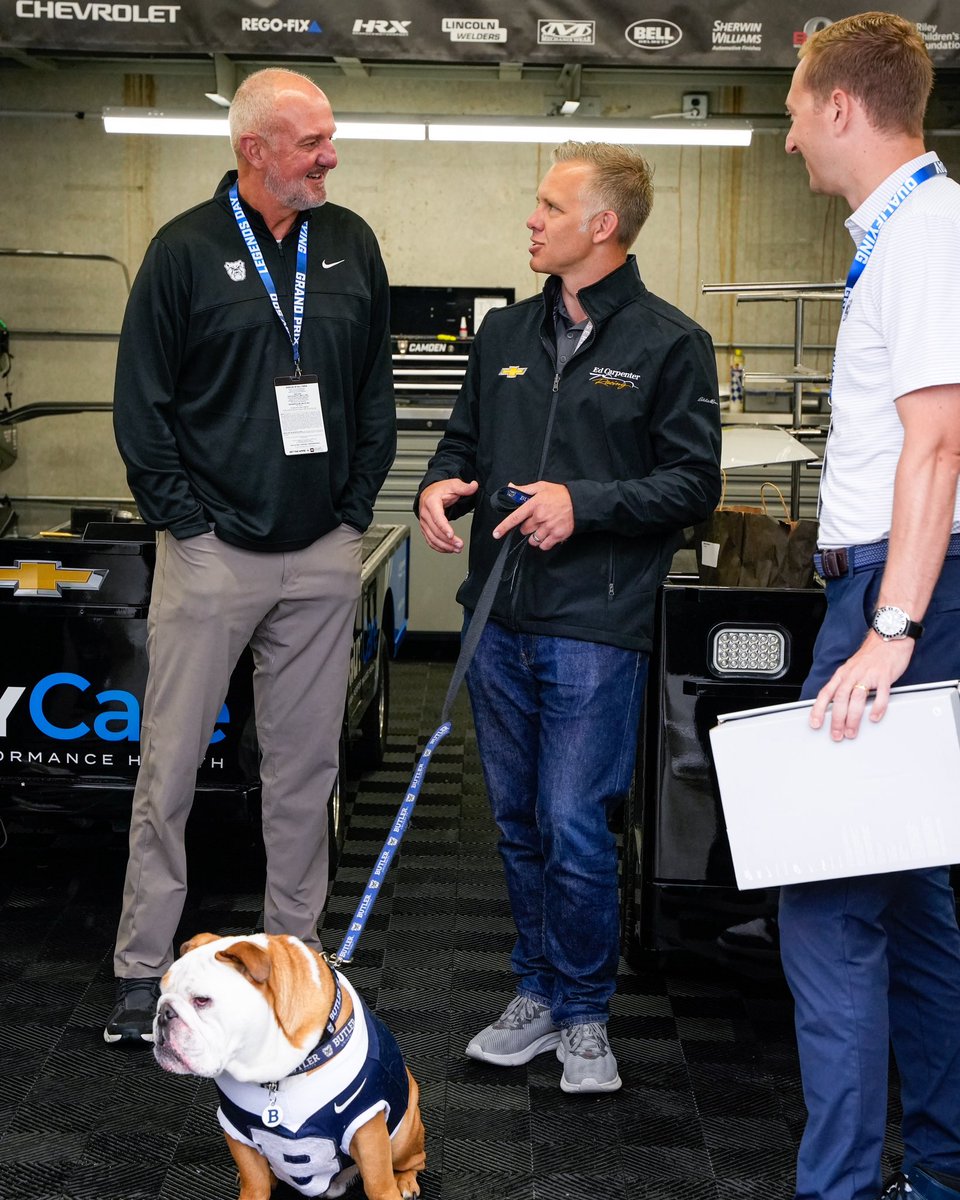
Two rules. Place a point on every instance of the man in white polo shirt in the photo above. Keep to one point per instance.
(877, 958)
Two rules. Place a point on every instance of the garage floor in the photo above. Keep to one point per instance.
(711, 1105)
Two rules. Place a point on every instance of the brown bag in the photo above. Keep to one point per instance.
(743, 546)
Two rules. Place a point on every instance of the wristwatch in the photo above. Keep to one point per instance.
(893, 624)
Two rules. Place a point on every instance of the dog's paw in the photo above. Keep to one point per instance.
(407, 1185)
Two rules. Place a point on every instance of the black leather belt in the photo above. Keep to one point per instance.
(834, 564)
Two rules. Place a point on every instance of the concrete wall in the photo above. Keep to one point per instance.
(445, 215)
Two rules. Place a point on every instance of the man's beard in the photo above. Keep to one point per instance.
(296, 195)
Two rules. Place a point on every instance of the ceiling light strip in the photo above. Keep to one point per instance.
(708, 132)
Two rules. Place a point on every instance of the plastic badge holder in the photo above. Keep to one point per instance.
(801, 807)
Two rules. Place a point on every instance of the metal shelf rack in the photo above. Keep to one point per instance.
(798, 294)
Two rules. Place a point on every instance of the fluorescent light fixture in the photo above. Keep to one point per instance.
(559, 129)
(150, 120)
(380, 128)
(708, 132)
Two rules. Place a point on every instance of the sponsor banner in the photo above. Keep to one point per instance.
(74, 668)
(737, 34)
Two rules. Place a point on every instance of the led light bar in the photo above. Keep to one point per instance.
(745, 650)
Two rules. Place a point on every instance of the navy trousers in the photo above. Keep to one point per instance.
(875, 960)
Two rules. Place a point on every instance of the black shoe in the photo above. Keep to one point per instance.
(133, 1013)
(921, 1184)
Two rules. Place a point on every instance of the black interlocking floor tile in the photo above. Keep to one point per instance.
(711, 1105)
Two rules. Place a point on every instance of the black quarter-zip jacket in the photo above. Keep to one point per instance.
(635, 438)
(195, 411)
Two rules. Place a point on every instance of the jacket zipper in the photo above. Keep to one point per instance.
(515, 581)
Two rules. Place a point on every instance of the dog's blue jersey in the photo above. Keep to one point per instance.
(323, 1109)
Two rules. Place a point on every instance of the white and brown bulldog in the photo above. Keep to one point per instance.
(312, 1086)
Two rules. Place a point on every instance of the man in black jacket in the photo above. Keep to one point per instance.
(254, 410)
(599, 401)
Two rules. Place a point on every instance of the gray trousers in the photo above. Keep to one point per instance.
(296, 610)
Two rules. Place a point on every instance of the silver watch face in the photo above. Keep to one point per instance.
(890, 622)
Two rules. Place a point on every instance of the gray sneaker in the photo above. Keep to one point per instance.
(589, 1064)
(525, 1030)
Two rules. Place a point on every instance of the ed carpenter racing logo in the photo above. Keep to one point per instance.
(81, 10)
(653, 34)
(608, 377)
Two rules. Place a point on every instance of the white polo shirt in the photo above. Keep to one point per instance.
(901, 333)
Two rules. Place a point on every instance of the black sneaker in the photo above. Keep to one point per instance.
(921, 1184)
(133, 1013)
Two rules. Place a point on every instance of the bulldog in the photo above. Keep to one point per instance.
(313, 1088)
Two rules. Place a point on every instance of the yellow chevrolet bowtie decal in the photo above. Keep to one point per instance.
(513, 372)
(46, 578)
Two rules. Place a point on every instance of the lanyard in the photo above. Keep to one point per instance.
(860, 259)
(300, 280)
(869, 240)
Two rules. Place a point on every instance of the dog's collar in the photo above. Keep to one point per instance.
(333, 1040)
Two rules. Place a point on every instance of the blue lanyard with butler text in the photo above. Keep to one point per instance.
(869, 240)
(300, 281)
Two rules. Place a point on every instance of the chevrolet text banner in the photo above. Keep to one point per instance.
(735, 33)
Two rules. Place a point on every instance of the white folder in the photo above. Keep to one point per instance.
(799, 806)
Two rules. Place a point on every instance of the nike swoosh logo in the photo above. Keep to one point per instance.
(327, 266)
(338, 1108)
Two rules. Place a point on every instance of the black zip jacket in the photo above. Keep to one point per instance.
(635, 438)
(195, 411)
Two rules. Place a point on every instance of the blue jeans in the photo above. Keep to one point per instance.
(556, 723)
(876, 959)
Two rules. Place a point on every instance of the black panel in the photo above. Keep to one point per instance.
(680, 888)
(425, 312)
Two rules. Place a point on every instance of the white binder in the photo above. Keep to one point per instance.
(799, 806)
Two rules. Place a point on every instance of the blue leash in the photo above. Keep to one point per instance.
(472, 637)
(348, 945)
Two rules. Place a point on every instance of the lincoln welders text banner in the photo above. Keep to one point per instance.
(729, 33)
